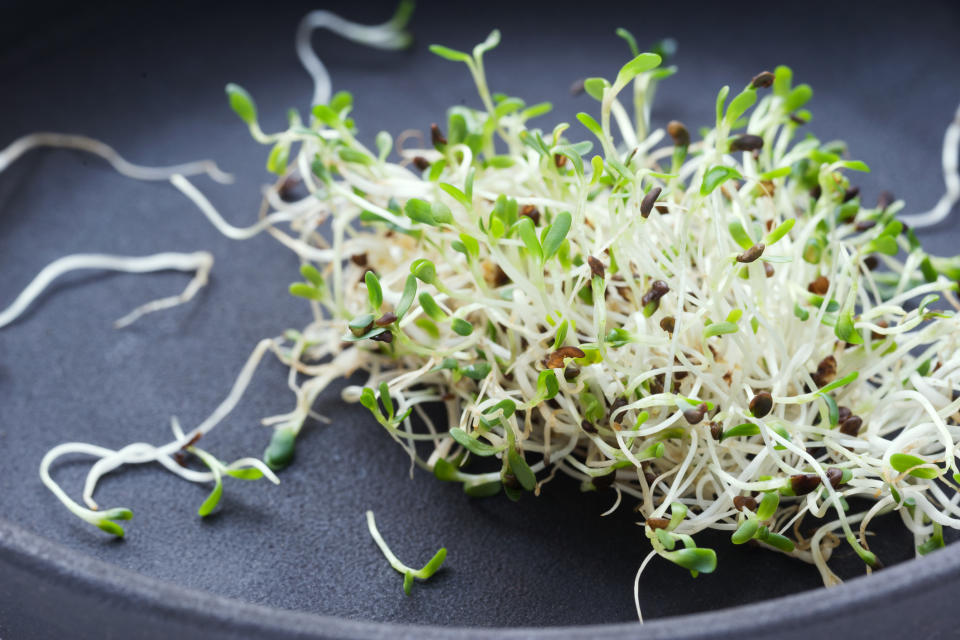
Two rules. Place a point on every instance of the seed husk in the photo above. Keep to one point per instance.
(851, 193)
(555, 359)
(762, 80)
(851, 426)
(646, 205)
(658, 523)
(741, 502)
(531, 212)
(571, 372)
(587, 426)
(678, 132)
(834, 475)
(751, 254)
(668, 324)
(436, 136)
(658, 289)
(386, 336)
(768, 269)
(826, 371)
(819, 286)
(804, 483)
(746, 142)
(596, 267)
(388, 318)
(421, 163)
(716, 430)
(695, 415)
(761, 404)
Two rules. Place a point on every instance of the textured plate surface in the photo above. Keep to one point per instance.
(149, 82)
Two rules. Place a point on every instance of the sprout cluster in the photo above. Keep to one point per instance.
(713, 325)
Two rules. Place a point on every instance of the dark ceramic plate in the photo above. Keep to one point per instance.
(295, 560)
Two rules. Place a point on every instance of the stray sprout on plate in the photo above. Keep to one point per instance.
(708, 322)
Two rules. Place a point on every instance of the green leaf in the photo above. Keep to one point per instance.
(782, 229)
(800, 312)
(780, 542)
(833, 411)
(721, 102)
(279, 453)
(716, 176)
(768, 505)
(341, 100)
(473, 445)
(744, 429)
(521, 470)
(477, 371)
(278, 158)
(856, 165)
(739, 235)
(461, 327)
(887, 245)
(643, 62)
(212, 500)
(492, 41)
(242, 104)
(374, 291)
(304, 290)
(535, 110)
(798, 97)
(745, 531)
(310, 272)
(450, 54)
(547, 385)
(595, 86)
(631, 41)
(590, 123)
(844, 329)
(431, 308)
(456, 194)
(903, 461)
(555, 234)
(528, 234)
(482, 489)
(247, 473)
(111, 528)
(406, 298)
(424, 270)
(387, 400)
(445, 470)
(696, 559)
(739, 105)
(419, 211)
(720, 328)
(836, 384)
(782, 79)
(356, 157)
(384, 142)
(326, 115)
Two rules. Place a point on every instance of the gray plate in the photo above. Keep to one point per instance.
(296, 558)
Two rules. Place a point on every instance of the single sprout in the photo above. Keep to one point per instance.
(408, 574)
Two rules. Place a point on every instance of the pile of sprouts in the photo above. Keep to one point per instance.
(714, 328)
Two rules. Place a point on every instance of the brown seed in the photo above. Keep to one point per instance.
(531, 212)
(716, 430)
(826, 371)
(843, 413)
(871, 262)
(851, 426)
(885, 200)
(668, 324)
(679, 133)
(649, 477)
(192, 441)
(359, 259)
(587, 426)
(421, 163)
(746, 142)
(851, 193)
(816, 192)
(834, 475)
(555, 359)
(571, 372)
(864, 225)
(695, 415)
(603, 482)
(388, 318)
(768, 269)
(658, 289)
(739, 502)
(797, 119)
(510, 481)
(880, 336)
(596, 267)
(761, 404)
(804, 483)
(577, 87)
(436, 136)
(285, 191)
(662, 209)
(180, 458)
(819, 286)
(559, 160)
(658, 523)
(386, 336)
(619, 403)
(762, 80)
(751, 254)
(646, 205)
